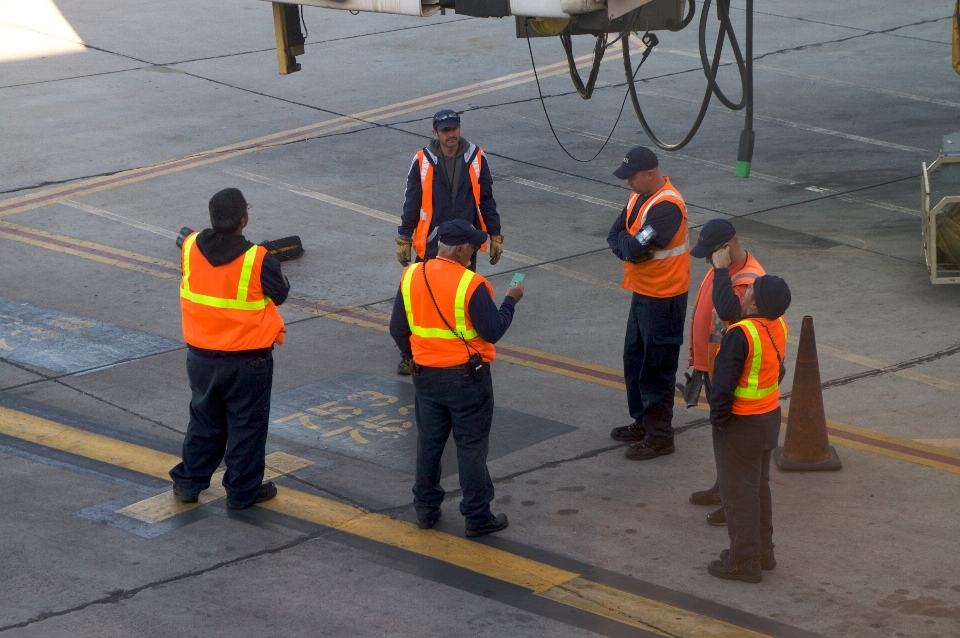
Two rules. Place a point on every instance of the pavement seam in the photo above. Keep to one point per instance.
(121, 595)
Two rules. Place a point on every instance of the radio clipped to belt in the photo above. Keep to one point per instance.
(474, 360)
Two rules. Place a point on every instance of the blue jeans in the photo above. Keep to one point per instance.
(450, 399)
(229, 415)
(742, 450)
(651, 353)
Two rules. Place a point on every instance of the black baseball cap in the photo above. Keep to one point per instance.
(772, 296)
(637, 159)
(713, 233)
(459, 232)
(445, 118)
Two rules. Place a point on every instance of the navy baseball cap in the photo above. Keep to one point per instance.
(638, 159)
(713, 233)
(445, 118)
(459, 232)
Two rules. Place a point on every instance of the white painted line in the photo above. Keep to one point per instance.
(559, 191)
(99, 212)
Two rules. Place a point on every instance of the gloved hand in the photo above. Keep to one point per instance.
(403, 251)
(496, 248)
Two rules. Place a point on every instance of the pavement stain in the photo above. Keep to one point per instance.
(572, 488)
(567, 512)
(920, 606)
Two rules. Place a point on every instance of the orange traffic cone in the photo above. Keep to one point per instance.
(805, 445)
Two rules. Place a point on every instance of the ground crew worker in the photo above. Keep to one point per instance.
(650, 236)
(717, 306)
(448, 179)
(745, 413)
(445, 320)
(229, 295)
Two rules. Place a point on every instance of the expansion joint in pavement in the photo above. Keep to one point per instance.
(121, 595)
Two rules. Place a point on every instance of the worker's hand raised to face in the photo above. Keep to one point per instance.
(721, 258)
(515, 291)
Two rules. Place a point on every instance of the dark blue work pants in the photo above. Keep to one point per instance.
(450, 399)
(742, 449)
(651, 353)
(229, 414)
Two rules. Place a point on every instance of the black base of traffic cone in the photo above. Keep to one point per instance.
(789, 466)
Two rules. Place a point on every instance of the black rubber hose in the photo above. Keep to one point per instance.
(632, 91)
(585, 91)
(723, 14)
(689, 17)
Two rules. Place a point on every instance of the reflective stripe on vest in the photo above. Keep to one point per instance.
(424, 226)
(459, 309)
(664, 194)
(753, 389)
(237, 303)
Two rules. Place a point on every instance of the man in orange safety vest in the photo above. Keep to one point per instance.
(745, 414)
(650, 236)
(229, 293)
(717, 306)
(446, 322)
(449, 179)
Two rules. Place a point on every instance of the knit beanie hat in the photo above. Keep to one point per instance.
(772, 296)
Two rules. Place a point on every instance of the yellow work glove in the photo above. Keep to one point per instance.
(403, 251)
(496, 248)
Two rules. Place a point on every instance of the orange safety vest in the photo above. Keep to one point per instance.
(224, 307)
(433, 344)
(744, 277)
(758, 389)
(667, 272)
(425, 225)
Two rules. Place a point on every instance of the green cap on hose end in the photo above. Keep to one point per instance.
(745, 154)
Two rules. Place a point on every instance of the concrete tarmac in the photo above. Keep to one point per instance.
(851, 98)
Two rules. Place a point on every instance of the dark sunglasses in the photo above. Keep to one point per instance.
(444, 118)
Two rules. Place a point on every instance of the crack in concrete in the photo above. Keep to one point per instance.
(896, 367)
(121, 595)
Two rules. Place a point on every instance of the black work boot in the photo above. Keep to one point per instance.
(748, 572)
(265, 492)
(427, 522)
(644, 451)
(767, 560)
(496, 524)
(717, 517)
(706, 497)
(627, 433)
(184, 497)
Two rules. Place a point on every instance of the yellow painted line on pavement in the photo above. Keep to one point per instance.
(75, 190)
(86, 444)
(840, 433)
(554, 583)
(949, 444)
(164, 506)
(637, 611)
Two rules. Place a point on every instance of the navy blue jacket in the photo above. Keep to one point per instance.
(444, 210)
